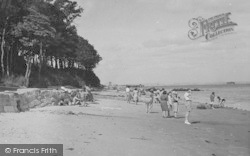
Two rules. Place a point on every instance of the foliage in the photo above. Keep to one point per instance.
(12, 81)
(39, 35)
(72, 77)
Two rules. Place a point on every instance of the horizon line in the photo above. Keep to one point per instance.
(183, 84)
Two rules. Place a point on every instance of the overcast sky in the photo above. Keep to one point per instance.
(145, 41)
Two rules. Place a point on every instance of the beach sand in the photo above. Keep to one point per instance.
(111, 127)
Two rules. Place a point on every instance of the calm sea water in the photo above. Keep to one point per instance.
(237, 96)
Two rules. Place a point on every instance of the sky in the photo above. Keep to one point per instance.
(146, 42)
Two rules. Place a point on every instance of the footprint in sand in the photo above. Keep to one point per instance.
(87, 142)
(70, 149)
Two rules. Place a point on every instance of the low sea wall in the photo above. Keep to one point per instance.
(24, 99)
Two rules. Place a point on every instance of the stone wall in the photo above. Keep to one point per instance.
(24, 99)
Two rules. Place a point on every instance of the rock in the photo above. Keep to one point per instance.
(23, 99)
(1, 108)
(25, 90)
(10, 109)
(5, 99)
(34, 103)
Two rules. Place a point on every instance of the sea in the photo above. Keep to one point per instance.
(236, 95)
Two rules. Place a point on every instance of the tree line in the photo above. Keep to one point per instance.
(39, 37)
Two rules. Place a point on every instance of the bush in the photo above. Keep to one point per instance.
(62, 77)
(14, 81)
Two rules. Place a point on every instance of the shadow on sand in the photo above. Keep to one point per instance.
(154, 112)
(195, 122)
(178, 117)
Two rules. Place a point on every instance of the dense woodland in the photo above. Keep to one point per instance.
(40, 46)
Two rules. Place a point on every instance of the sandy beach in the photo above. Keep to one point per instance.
(67, 66)
(112, 127)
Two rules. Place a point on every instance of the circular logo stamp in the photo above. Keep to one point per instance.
(7, 150)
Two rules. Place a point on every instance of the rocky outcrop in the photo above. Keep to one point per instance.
(24, 99)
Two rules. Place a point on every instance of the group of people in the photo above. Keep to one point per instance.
(133, 95)
(169, 101)
(220, 101)
(76, 97)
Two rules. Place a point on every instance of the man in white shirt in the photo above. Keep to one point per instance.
(187, 97)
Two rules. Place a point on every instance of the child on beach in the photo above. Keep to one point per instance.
(221, 101)
(76, 98)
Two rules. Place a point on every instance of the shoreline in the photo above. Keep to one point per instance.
(112, 94)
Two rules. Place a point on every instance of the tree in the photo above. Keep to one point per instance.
(34, 29)
(41, 35)
(5, 5)
(87, 56)
(10, 14)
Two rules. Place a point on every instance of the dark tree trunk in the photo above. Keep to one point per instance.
(60, 63)
(71, 63)
(11, 58)
(56, 63)
(40, 61)
(51, 61)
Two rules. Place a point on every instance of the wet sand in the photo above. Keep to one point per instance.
(111, 127)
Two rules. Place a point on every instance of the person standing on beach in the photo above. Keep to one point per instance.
(170, 100)
(187, 97)
(157, 96)
(127, 94)
(136, 95)
(149, 104)
(140, 90)
(164, 104)
(212, 97)
(175, 103)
